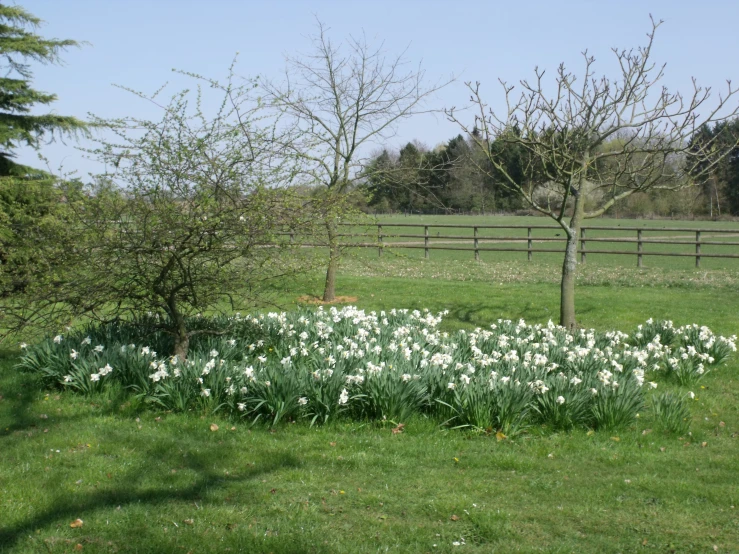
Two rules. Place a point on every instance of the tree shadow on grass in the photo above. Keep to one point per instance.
(135, 487)
(486, 312)
(21, 390)
(153, 488)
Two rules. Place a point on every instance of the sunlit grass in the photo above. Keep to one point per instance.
(148, 481)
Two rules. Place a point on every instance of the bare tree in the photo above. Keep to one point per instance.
(594, 141)
(342, 100)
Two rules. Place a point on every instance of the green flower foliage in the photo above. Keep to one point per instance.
(388, 366)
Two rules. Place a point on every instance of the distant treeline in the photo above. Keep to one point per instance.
(455, 177)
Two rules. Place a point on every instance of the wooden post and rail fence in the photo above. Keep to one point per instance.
(588, 243)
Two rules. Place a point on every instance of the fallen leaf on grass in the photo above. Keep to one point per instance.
(78, 547)
(76, 524)
(646, 431)
(332, 444)
(213, 427)
(615, 439)
(704, 444)
(454, 517)
(188, 521)
(500, 436)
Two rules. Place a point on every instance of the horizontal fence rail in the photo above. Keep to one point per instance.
(383, 239)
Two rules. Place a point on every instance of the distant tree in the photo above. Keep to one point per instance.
(343, 99)
(732, 178)
(718, 182)
(569, 173)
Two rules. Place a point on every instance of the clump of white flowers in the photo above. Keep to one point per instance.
(324, 363)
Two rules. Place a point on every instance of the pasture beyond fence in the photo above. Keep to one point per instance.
(592, 240)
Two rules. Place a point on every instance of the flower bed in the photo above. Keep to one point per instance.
(323, 364)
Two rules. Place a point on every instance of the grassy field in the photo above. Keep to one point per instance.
(148, 481)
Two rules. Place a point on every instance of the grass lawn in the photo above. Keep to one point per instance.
(147, 481)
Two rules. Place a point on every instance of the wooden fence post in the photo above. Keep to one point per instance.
(697, 249)
(477, 252)
(530, 242)
(379, 240)
(582, 246)
(426, 242)
(639, 248)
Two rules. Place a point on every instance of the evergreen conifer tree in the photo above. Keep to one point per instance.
(19, 45)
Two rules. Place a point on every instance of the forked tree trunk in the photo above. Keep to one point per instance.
(329, 290)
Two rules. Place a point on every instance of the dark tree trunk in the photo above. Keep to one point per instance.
(181, 336)
(181, 346)
(329, 290)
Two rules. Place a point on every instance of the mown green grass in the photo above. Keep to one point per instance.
(143, 484)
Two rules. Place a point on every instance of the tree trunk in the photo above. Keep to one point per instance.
(181, 337)
(569, 270)
(181, 346)
(569, 266)
(329, 290)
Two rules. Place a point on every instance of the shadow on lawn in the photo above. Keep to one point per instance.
(487, 312)
(154, 489)
(135, 487)
(18, 392)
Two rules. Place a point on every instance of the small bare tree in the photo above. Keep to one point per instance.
(342, 100)
(594, 141)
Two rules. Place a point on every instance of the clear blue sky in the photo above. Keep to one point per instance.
(136, 43)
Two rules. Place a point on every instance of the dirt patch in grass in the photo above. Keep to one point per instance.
(307, 299)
